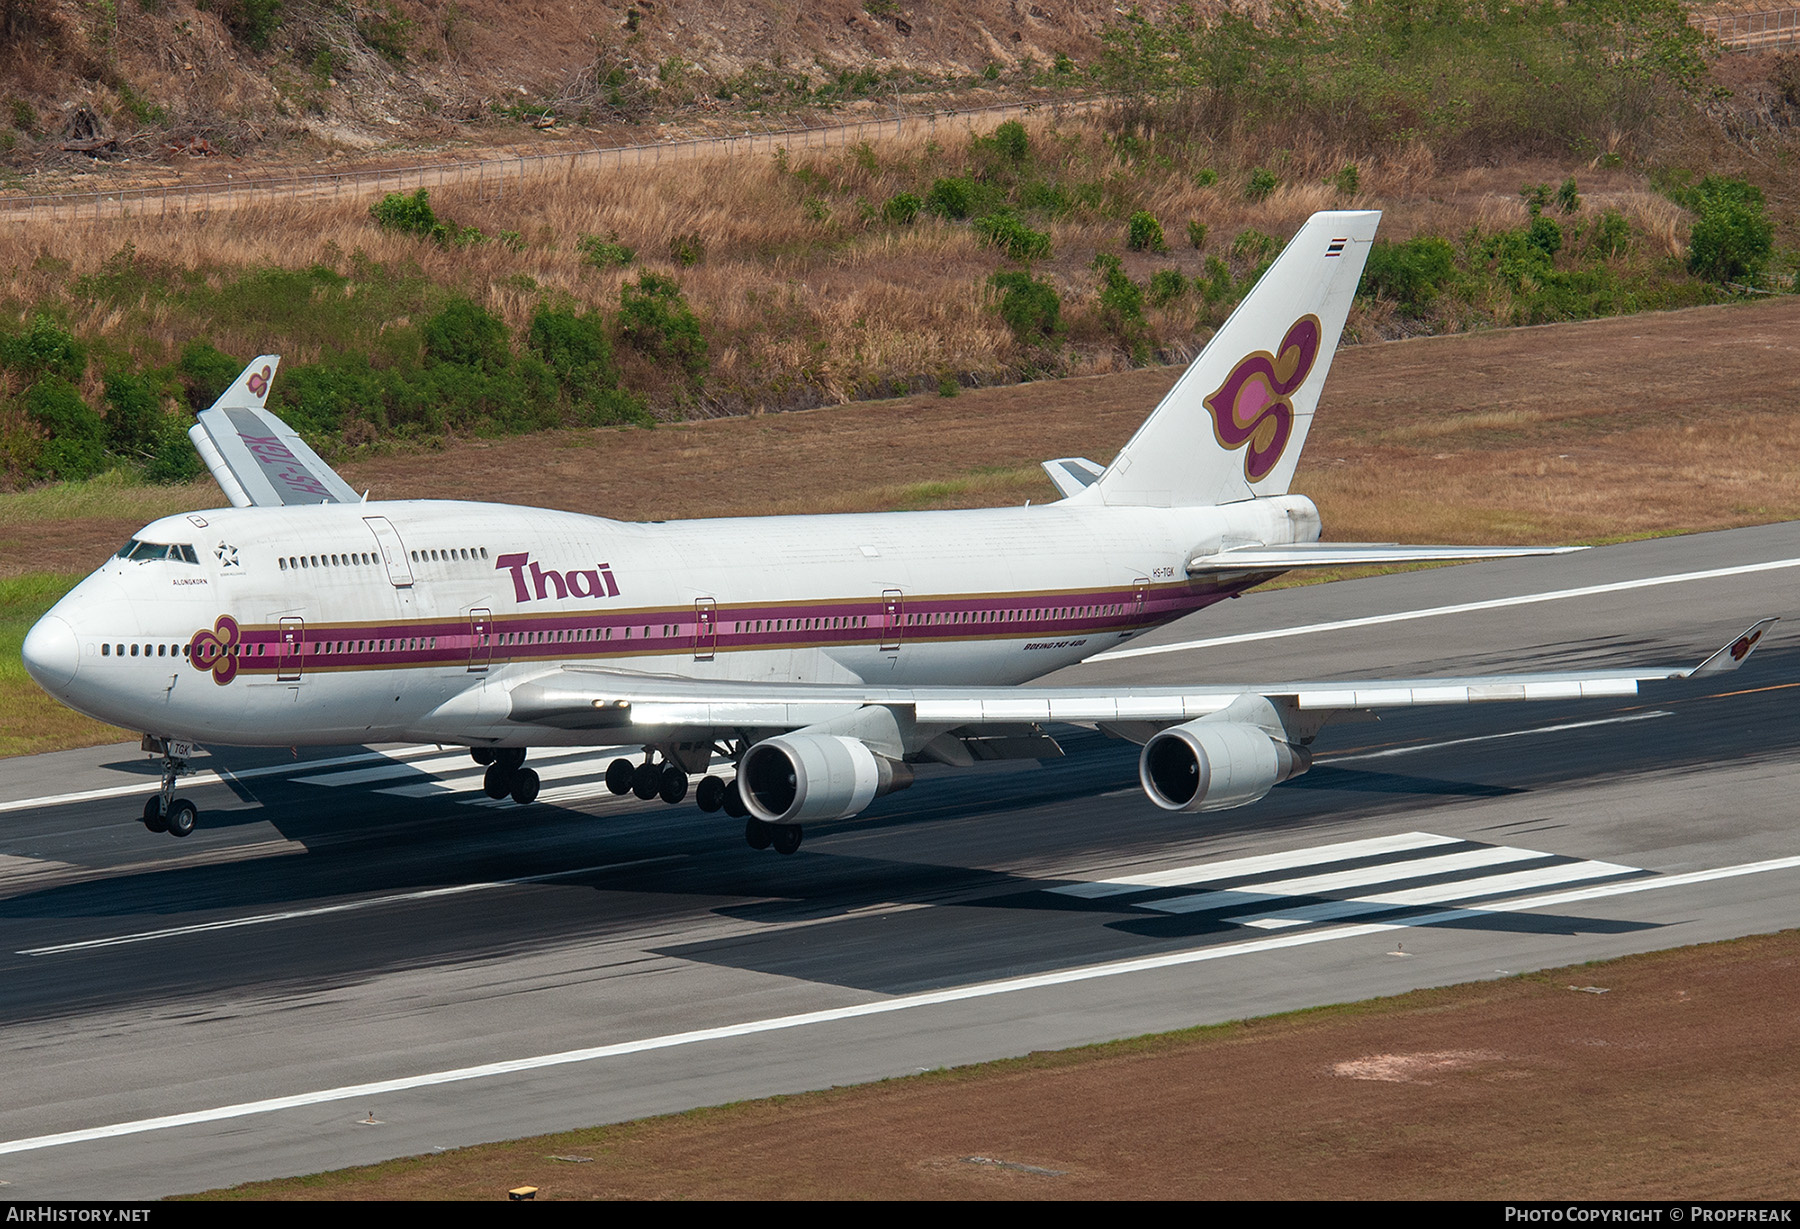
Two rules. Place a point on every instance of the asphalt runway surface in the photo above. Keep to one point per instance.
(357, 956)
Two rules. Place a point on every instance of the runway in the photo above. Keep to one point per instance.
(358, 956)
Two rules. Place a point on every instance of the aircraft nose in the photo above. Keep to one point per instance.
(51, 653)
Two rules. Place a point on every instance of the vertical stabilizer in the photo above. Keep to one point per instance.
(258, 460)
(1233, 426)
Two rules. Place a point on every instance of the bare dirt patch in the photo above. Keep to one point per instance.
(1683, 1081)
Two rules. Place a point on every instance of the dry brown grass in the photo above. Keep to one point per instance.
(1679, 1082)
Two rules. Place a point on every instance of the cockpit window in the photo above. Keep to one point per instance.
(142, 552)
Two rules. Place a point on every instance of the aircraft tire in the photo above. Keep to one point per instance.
(482, 755)
(618, 776)
(497, 781)
(153, 815)
(646, 781)
(673, 784)
(734, 802)
(757, 834)
(182, 817)
(512, 757)
(525, 786)
(786, 838)
(709, 795)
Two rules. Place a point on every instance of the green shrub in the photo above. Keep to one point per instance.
(606, 253)
(134, 414)
(1121, 299)
(1262, 183)
(1610, 235)
(1536, 197)
(1010, 141)
(1544, 235)
(44, 347)
(1166, 286)
(1568, 197)
(252, 21)
(1005, 231)
(1031, 308)
(1410, 274)
(1196, 233)
(1143, 233)
(385, 29)
(656, 320)
(575, 347)
(76, 447)
(1348, 180)
(467, 335)
(413, 215)
(1732, 238)
(1205, 177)
(1252, 245)
(952, 198)
(205, 372)
(1216, 286)
(173, 459)
(901, 208)
(687, 250)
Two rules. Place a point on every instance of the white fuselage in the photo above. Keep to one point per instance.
(353, 623)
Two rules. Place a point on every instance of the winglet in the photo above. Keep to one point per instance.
(1734, 654)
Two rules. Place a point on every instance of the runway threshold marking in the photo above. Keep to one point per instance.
(1432, 612)
(351, 906)
(880, 1007)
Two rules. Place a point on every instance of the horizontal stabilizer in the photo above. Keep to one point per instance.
(258, 460)
(1353, 554)
(1073, 474)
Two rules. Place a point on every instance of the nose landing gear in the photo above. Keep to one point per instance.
(166, 813)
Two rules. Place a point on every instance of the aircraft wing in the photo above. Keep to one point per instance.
(258, 460)
(596, 698)
(1352, 554)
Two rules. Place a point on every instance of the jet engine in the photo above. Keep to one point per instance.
(800, 778)
(1212, 765)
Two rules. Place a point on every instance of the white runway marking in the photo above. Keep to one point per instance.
(1465, 891)
(1203, 872)
(1499, 603)
(349, 906)
(147, 787)
(1314, 885)
(880, 1007)
(1482, 738)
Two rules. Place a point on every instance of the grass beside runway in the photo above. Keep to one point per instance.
(1667, 1075)
(30, 721)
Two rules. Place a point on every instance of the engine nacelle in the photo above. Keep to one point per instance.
(1211, 765)
(801, 778)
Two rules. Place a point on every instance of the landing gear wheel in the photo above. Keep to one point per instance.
(646, 781)
(758, 834)
(525, 786)
(153, 815)
(673, 786)
(182, 817)
(512, 757)
(734, 802)
(482, 755)
(497, 781)
(710, 794)
(618, 776)
(787, 837)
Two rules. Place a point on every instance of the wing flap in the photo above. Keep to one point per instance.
(1353, 554)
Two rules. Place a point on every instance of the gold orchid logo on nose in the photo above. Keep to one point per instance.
(217, 650)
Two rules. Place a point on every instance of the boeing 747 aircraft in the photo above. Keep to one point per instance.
(822, 655)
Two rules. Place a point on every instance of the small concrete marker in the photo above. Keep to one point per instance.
(520, 1193)
(574, 1160)
(370, 1121)
(1589, 989)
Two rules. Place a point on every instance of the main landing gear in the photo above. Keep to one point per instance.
(507, 776)
(166, 813)
(664, 774)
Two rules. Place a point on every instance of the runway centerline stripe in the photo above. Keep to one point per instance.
(1483, 738)
(1499, 603)
(1236, 868)
(349, 906)
(880, 1007)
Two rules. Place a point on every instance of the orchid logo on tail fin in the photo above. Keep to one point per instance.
(1253, 406)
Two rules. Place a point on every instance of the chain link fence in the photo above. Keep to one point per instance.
(511, 169)
(1762, 31)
